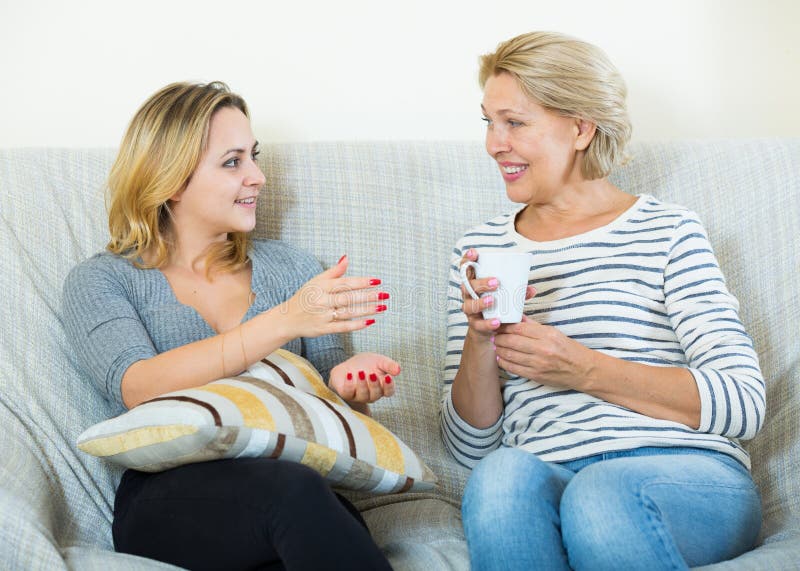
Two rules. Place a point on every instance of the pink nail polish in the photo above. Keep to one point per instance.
(373, 377)
(493, 282)
(498, 359)
(362, 375)
(495, 322)
(488, 300)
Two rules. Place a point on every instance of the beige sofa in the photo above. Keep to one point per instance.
(397, 210)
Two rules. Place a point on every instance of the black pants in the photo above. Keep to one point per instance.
(250, 513)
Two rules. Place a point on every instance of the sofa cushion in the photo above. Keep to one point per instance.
(278, 408)
(422, 534)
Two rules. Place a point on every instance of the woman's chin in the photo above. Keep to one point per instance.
(518, 195)
(246, 226)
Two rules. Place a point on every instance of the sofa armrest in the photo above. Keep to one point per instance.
(25, 541)
(49, 496)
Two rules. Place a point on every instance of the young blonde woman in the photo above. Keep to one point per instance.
(182, 297)
(602, 429)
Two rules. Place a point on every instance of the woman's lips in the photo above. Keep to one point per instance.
(246, 202)
(512, 171)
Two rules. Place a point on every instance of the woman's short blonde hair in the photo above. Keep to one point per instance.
(159, 152)
(573, 78)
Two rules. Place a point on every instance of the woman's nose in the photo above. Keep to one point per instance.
(255, 177)
(496, 141)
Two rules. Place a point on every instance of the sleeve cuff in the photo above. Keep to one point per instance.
(118, 368)
(465, 431)
(708, 413)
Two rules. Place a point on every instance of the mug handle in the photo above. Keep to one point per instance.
(465, 280)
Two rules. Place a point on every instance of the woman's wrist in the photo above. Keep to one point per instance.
(478, 339)
(260, 336)
(597, 370)
(278, 323)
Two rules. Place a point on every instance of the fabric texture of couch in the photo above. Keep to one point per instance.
(397, 209)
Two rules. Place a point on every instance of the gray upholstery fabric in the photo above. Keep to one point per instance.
(397, 210)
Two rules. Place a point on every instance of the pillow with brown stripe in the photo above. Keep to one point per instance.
(278, 408)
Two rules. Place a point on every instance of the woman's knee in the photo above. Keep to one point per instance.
(604, 522)
(263, 484)
(510, 512)
(511, 480)
(659, 505)
(594, 507)
(290, 481)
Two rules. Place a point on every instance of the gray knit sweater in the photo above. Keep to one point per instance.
(116, 314)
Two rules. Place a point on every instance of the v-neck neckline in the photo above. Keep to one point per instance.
(197, 313)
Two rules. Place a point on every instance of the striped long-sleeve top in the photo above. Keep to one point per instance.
(647, 288)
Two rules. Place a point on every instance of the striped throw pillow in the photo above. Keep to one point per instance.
(278, 408)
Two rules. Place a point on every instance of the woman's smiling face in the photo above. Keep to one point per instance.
(534, 147)
(222, 193)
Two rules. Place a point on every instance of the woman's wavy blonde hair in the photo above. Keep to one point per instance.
(161, 149)
(575, 79)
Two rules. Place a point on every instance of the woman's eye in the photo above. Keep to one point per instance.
(255, 154)
(234, 162)
(486, 120)
(514, 123)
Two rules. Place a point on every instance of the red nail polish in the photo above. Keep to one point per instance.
(369, 322)
(340, 259)
(388, 379)
(380, 308)
(383, 295)
(374, 281)
(349, 376)
(362, 375)
(373, 377)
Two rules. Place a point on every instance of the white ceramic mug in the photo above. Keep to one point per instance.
(511, 269)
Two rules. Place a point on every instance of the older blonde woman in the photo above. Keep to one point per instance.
(182, 297)
(602, 429)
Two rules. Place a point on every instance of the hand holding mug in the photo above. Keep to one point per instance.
(544, 354)
(494, 288)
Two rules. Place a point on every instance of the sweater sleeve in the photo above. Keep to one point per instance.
(720, 353)
(465, 442)
(103, 326)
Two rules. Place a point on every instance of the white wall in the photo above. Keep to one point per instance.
(73, 73)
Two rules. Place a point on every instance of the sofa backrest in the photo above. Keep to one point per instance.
(397, 210)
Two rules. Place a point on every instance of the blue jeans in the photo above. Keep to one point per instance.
(649, 508)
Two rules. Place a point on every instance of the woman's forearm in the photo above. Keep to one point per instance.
(209, 359)
(476, 388)
(668, 393)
